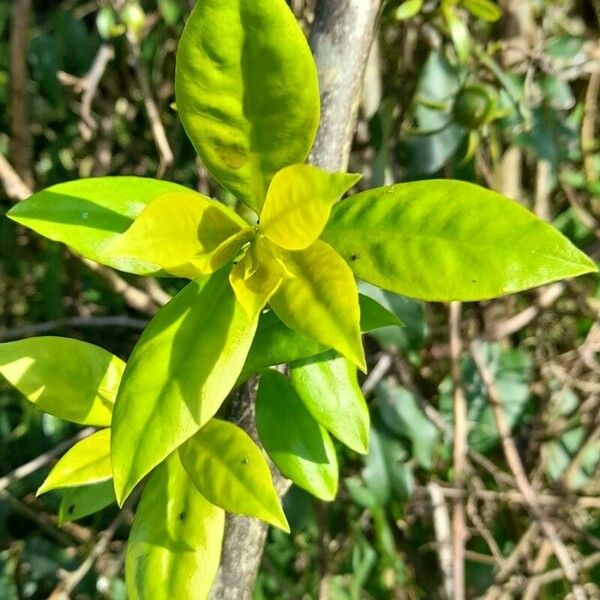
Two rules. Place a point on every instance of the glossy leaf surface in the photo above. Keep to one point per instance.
(449, 240)
(300, 448)
(329, 389)
(175, 544)
(230, 471)
(88, 213)
(247, 92)
(80, 502)
(299, 202)
(321, 300)
(70, 379)
(183, 366)
(87, 462)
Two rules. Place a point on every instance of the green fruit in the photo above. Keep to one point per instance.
(473, 106)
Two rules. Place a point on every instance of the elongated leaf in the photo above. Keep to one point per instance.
(247, 92)
(449, 240)
(299, 202)
(88, 213)
(79, 502)
(300, 448)
(484, 9)
(183, 366)
(229, 470)
(329, 389)
(175, 544)
(321, 300)
(275, 343)
(85, 463)
(69, 379)
(408, 9)
(182, 233)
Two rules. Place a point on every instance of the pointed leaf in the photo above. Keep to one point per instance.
(247, 92)
(69, 379)
(299, 202)
(328, 386)
(321, 300)
(300, 448)
(179, 373)
(183, 233)
(229, 470)
(85, 463)
(88, 213)
(80, 502)
(449, 240)
(174, 547)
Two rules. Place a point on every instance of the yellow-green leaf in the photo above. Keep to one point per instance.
(174, 547)
(229, 470)
(321, 300)
(182, 233)
(70, 379)
(299, 202)
(300, 448)
(85, 463)
(484, 9)
(247, 92)
(449, 240)
(79, 502)
(329, 389)
(179, 373)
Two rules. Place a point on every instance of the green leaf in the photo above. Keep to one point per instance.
(229, 470)
(183, 233)
(247, 92)
(179, 373)
(300, 448)
(275, 343)
(408, 9)
(484, 9)
(321, 300)
(70, 379)
(88, 213)
(445, 240)
(87, 462)
(175, 543)
(328, 386)
(459, 34)
(299, 202)
(79, 502)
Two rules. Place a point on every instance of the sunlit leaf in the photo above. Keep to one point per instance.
(484, 9)
(408, 9)
(67, 378)
(229, 470)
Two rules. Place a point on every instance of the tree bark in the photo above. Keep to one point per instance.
(341, 38)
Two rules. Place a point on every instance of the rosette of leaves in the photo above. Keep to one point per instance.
(282, 290)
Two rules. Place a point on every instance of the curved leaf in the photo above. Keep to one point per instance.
(247, 92)
(230, 471)
(329, 389)
(88, 213)
(449, 240)
(179, 373)
(70, 379)
(87, 462)
(82, 501)
(321, 300)
(300, 448)
(299, 202)
(174, 547)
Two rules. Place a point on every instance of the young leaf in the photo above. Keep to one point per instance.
(329, 389)
(298, 204)
(88, 213)
(321, 300)
(182, 233)
(70, 379)
(175, 543)
(247, 92)
(484, 9)
(179, 373)
(300, 448)
(408, 9)
(85, 463)
(79, 502)
(449, 240)
(229, 470)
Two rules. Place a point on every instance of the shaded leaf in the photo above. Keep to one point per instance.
(79, 502)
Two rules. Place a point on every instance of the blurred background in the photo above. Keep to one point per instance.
(503, 94)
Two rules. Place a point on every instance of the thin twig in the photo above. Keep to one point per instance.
(443, 535)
